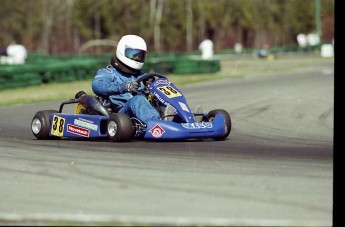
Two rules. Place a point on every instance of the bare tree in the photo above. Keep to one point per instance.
(189, 25)
(156, 10)
(47, 14)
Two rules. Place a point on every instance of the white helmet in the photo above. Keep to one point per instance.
(131, 51)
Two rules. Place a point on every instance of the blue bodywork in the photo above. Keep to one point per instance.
(168, 94)
(78, 125)
(94, 126)
(160, 129)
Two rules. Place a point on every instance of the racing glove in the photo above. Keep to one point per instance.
(149, 81)
(132, 86)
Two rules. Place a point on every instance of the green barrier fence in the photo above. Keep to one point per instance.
(47, 71)
(18, 76)
(183, 66)
(43, 69)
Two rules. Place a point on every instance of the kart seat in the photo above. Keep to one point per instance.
(111, 108)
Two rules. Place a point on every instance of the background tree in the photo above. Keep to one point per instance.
(63, 26)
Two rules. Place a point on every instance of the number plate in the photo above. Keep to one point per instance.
(58, 125)
(169, 91)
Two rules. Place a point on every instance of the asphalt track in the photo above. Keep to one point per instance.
(276, 168)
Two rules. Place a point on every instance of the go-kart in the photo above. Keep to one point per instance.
(93, 118)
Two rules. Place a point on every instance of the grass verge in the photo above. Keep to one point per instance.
(236, 67)
(65, 91)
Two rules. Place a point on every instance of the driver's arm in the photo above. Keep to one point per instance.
(104, 83)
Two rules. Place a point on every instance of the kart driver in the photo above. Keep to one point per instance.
(117, 81)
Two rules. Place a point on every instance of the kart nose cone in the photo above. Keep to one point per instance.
(36, 126)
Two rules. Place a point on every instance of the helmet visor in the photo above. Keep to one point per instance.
(135, 54)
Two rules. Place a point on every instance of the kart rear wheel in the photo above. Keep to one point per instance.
(40, 124)
(120, 127)
(227, 121)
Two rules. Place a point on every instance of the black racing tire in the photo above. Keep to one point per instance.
(120, 127)
(40, 124)
(227, 121)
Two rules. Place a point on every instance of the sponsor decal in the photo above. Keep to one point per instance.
(86, 120)
(197, 125)
(86, 124)
(109, 69)
(78, 130)
(184, 107)
(157, 131)
(159, 82)
(160, 98)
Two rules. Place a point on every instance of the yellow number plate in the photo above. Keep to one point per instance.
(58, 125)
(169, 91)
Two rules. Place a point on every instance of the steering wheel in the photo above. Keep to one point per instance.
(149, 75)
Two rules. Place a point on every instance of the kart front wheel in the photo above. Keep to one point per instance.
(120, 127)
(227, 121)
(40, 124)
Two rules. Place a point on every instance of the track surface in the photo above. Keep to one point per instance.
(276, 168)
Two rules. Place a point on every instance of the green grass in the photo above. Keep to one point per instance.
(65, 91)
(229, 68)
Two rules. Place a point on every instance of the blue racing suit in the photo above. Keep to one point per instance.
(111, 83)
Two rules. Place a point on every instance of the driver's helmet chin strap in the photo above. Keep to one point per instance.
(117, 64)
